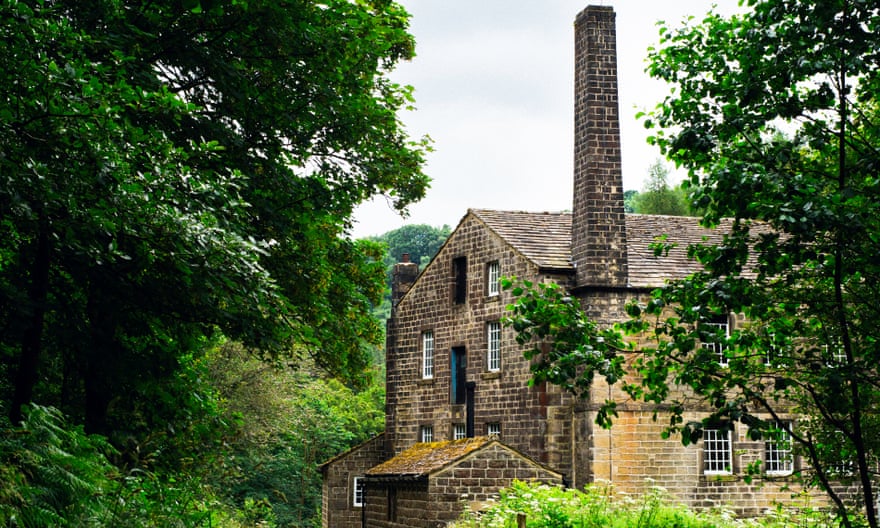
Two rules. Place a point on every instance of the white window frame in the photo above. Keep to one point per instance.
(493, 429)
(493, 349)
(493, 278)
(426, 433)
(837, 353)
(459, 431)
(778, 456)
(428, 354)
(717, 452)
(773, 353)
(357, 495)
(718, 348)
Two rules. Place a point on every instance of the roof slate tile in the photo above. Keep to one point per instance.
(544, 238)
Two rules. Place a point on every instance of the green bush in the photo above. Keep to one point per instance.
(599, 507)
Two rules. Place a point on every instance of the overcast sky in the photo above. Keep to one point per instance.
(494, 89)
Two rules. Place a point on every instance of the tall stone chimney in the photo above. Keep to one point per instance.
(598, 231)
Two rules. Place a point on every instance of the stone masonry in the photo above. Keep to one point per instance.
(501, 397)
(598, 242)
(440, 385)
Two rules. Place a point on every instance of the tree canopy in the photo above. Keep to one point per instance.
(175, 170)
(775, 116)
(657, 197)
(420, 241)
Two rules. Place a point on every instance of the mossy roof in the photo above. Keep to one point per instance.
(425, 458)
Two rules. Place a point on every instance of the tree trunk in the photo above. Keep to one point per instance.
(31, 341)
(98, 371)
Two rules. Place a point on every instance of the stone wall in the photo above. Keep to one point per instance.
(503, 397)
(398, 506)
(337, 509)
(634, 457)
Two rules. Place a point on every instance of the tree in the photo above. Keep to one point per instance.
(420, 241)
(175, 170)
(658, 198)
(287, 423)
(775, 117)
(629, 197)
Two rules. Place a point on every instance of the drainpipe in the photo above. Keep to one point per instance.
(469, 409)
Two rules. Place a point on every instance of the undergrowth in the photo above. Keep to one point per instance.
(52, 474)
(598, 506)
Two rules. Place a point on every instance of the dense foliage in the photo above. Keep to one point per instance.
(775, 117)
(598, 506)
(173, 170)
(286, 424)
(249, 457)
(177, 181)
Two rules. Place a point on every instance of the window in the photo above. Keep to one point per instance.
(493, 279)
(774, 352)
(777, 451)
(713, 334)
(458, 383)
(844, 467)
(358, 492)
(426, 433)
(428, 354)
(459, 280)
(392, 504)
(835, 352)
(493, 361)
(459, 431)
(717, 452)
(493, 429)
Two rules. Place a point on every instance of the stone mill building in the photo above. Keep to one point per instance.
(462, 420)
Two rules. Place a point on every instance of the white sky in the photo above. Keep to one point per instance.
(494, 82)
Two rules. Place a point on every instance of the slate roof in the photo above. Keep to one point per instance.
(425, 458)
(545, 239)
(647, 270)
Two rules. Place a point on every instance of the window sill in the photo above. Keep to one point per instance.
(425, 381)
(486, 376)
(720, 477)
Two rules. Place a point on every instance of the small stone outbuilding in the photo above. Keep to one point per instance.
(429, 484)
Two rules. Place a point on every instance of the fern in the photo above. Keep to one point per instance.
(54, 475)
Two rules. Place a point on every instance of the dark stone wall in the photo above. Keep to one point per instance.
(526, 414)
(337, 510)
(469, 483)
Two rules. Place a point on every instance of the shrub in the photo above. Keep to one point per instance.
(599, 507)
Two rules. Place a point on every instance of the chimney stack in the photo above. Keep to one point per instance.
(598, 231)
(403, 276)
